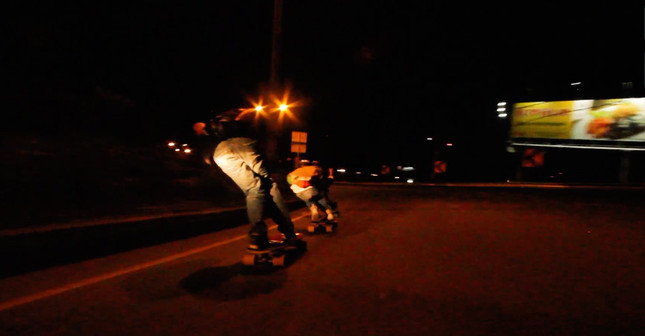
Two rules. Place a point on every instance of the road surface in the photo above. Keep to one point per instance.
(405, 260)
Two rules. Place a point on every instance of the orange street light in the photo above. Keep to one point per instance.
(257, 109)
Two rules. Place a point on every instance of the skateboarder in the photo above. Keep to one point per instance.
(237, 155)
(311, 185)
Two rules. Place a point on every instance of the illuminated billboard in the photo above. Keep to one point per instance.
(605, 122)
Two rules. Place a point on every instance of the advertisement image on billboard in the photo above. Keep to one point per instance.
(607, 121)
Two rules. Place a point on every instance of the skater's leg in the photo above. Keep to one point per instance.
(280, 213)
(255, 207)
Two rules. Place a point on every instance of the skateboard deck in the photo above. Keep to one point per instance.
(277, 252)
(326, 226)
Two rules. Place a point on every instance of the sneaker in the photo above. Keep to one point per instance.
(316, 214)
(292, 241)
(258, 242)
(330, 215)
(288, 235)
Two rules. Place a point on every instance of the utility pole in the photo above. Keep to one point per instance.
(273, 133)
(276, 45)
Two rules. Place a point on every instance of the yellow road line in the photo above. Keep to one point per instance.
(58, 290)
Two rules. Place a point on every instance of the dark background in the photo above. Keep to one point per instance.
(377, 77)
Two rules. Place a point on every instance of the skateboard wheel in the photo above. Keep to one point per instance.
(248, 260)
(311, 229)
(279, 260)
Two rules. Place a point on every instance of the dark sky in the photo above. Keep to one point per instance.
(378, 76)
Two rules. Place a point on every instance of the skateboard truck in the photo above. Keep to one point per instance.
(328, 226)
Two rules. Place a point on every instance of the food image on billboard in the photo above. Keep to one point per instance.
(620, 119)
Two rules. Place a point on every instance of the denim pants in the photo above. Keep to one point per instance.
(238, 158)
(267, 201)
(311, 196)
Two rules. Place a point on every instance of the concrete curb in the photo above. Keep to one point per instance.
(27, 250)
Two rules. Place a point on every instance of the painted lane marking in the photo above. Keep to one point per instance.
(65, 288)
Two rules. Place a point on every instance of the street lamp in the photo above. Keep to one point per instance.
(283, 106)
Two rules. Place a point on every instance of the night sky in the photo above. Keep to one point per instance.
(378, 77)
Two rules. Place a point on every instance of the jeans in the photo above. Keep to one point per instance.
(238, 158)
(267, 201)
(311, 196)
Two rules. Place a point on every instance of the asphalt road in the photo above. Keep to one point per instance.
(405, 260)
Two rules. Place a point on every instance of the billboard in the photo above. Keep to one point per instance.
(606, 122)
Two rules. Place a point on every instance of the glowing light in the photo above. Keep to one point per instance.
(501, 104)
(429, 139)
(177, 149)
(188, 150)
(449, 144)
(396, 177)
(341, 170)
(358, 173)
(374, 175)
(501, 109)
(576, 83)
(502, 115)
(410, 180)
(171, 144)
(184, 145)
(284, 106)
(257, 109)
(407, 168)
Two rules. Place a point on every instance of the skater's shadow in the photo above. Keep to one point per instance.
(234, 282)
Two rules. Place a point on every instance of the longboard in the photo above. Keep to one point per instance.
(276, 253)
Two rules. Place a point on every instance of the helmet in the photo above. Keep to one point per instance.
(226, 125)
(222, 125)
(228, 116)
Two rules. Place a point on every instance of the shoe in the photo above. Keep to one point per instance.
(258, 242)
(316, 214)
(289, 235)
(292, 241)
(330, 215)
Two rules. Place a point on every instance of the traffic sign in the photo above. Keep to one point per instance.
(298, 142)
